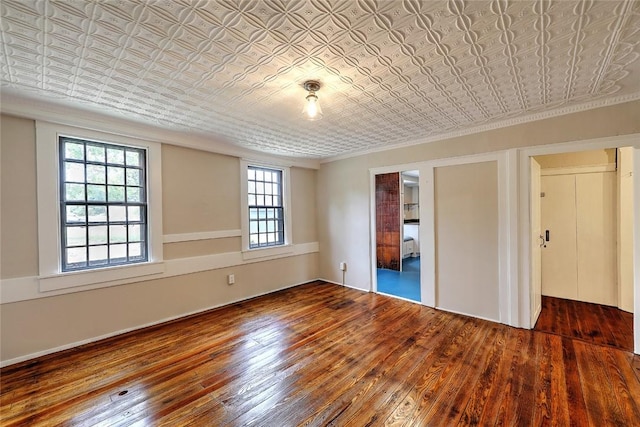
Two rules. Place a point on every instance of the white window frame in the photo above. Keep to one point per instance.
(268, 251)
(51, 276)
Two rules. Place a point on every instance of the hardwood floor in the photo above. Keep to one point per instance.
(321, 354)
(595, 323)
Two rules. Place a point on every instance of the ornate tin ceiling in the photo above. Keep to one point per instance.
(393, 72)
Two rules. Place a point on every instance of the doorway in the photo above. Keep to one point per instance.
(397, 234)
(581, 217)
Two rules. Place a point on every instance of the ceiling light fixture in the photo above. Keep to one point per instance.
(312, 110)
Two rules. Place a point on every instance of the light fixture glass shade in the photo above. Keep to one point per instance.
(312, 110)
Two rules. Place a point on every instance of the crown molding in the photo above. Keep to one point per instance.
(40, 109)
(557, 112)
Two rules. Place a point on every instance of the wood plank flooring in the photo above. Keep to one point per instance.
(321, 354)
(598, 324)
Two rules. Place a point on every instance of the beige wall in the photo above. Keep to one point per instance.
(343, 185)
(466, 225)
(581, 158)
(19, 205)
(201, 193)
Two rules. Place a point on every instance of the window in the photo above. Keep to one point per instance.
(266, 224)
(103, 208)
(99, 208)
(266, 208)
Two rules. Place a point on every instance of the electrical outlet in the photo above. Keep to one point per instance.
(343, 266)
(231, 279)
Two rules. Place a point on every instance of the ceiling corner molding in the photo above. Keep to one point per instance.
(497, 125)
(38, 109)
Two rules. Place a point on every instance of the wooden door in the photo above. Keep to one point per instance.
(388, 217)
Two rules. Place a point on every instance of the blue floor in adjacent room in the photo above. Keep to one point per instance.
(405, 284)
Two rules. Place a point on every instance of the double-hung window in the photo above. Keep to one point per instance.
(266, 224)
(99, 208)
(103, 204)
(266, 207)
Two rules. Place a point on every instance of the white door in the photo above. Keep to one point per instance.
(579, 259)
(559, 256)
(596, 232)
(536, 243)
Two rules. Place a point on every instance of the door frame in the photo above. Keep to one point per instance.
(527, 289)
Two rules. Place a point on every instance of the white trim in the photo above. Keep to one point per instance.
(573, 170)
(427, 237)
(145, 325)
(561, 111)
(48, 195)
(40, 109)
(636, 248)
(94, 277)
(27, 288)
(513, 297)
(468, 315)
(346, 285)
(203, 235)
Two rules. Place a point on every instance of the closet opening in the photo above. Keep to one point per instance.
(582, 245)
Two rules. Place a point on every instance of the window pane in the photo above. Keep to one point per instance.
(115, 155)
(96, 174)
(96, 193)
(73, 151)
(134, 213)
(73, 172)
(98, 255)
(117, 233)
(118, 252)
(76, 214)
(77, 256)
(252, 200)
(95, 153)
(259, 175)
(76, 236)
(134, 177)
(134, 194)
(259, 200)
(253, 227)
(116, 193)
(74, 192)
(115, 175)
(97, 234)
(135, 233)
(259, 188)
(133, 158)
(97, 213)
(117, 213)
(135, 250)
(251, 187)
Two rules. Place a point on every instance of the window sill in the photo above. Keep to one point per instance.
(267, 252)
(103, 276)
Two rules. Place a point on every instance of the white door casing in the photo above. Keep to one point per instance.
(537, 240)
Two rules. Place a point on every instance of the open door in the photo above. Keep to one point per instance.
(388, 230)
(537, 241)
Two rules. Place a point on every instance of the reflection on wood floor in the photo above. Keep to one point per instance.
(322, 354)
(595, 323)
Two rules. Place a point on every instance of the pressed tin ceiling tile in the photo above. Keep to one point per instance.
(393, 72)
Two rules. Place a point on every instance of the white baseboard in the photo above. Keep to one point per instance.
(345, 285)
(469, 315)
